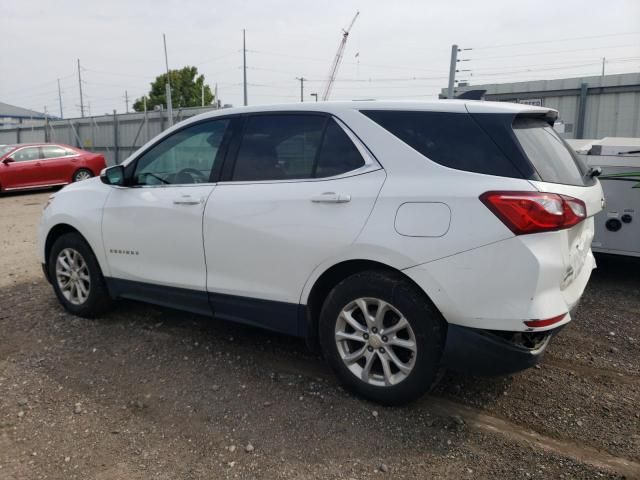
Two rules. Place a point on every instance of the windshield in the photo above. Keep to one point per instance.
(552, 158)
(4, 149)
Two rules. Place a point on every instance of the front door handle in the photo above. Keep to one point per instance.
(331, 197)
(187, 200)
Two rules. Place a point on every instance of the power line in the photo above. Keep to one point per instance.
(220, 57)
(400, 67)
(477, 80)
(540, 69)
(37, 86)
(565, 64)
(515, 55)
(557, 40)
(114, 73)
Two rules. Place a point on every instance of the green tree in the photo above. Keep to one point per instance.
(186, 90)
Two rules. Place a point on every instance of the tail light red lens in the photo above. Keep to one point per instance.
(546, 322)
(534, 212)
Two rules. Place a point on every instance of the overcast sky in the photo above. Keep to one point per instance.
(397, 49)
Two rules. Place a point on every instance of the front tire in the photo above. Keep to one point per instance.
(382, 336)
(76, 277)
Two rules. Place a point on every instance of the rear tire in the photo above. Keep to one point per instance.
(398, 348)
(82, 174)
(76, 277)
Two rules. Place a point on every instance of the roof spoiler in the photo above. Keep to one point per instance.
(549, 116)
(472, 95)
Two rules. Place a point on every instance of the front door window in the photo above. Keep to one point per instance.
(26, 154)
(185, 157)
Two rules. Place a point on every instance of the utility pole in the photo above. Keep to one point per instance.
(168, 84)
(146, 118)
(314, 95)
(603, 62)
(126, 101)
(60, 98)
(202, 92)
(217, 102)
(80, 86)
(46, 125)
(302, 79)
(452, 70)
(244, 66)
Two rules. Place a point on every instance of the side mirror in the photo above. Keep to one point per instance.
(113, 175)
(8, 160)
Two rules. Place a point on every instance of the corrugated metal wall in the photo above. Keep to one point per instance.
(98, 134)
(612, 106)
(606, 115)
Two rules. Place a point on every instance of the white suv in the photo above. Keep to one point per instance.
(397, 237)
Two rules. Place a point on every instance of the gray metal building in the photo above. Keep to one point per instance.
(590, 107)
(12, 115)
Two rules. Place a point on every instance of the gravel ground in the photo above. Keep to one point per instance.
(147, 392)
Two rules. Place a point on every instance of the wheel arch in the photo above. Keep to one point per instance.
(80, 168)
(56, 232)
(329, 279)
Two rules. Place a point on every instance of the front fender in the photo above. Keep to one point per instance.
(79, 206)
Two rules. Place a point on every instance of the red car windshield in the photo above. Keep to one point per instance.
(4, 149)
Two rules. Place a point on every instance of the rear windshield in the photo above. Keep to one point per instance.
(454, 140)
(552, 158)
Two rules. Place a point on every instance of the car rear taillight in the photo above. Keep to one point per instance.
(546, 322)
(534, 212)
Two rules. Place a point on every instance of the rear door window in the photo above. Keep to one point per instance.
(552, 158)
(278, 147)
(53, 151)
(454, 140)
(337, 154)
(294, 147)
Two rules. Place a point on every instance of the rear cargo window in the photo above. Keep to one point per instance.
(553, 159)
(451, 139)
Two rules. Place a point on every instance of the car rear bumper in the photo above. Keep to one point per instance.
(484, 352)
(502, 285)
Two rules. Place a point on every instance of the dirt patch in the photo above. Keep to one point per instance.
(146, 392)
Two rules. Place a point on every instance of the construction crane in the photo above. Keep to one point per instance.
(336, 61)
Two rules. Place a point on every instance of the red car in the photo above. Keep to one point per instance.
(24, 166)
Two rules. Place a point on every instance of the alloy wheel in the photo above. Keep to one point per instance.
(82, 175)
(72, 275)
(375, 342)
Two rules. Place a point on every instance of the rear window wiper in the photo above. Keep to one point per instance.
(593, 172)
(630, 151)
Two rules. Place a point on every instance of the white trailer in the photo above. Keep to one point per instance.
(617, 227)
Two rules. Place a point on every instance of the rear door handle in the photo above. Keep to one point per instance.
(187, 200)
(331, 197)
